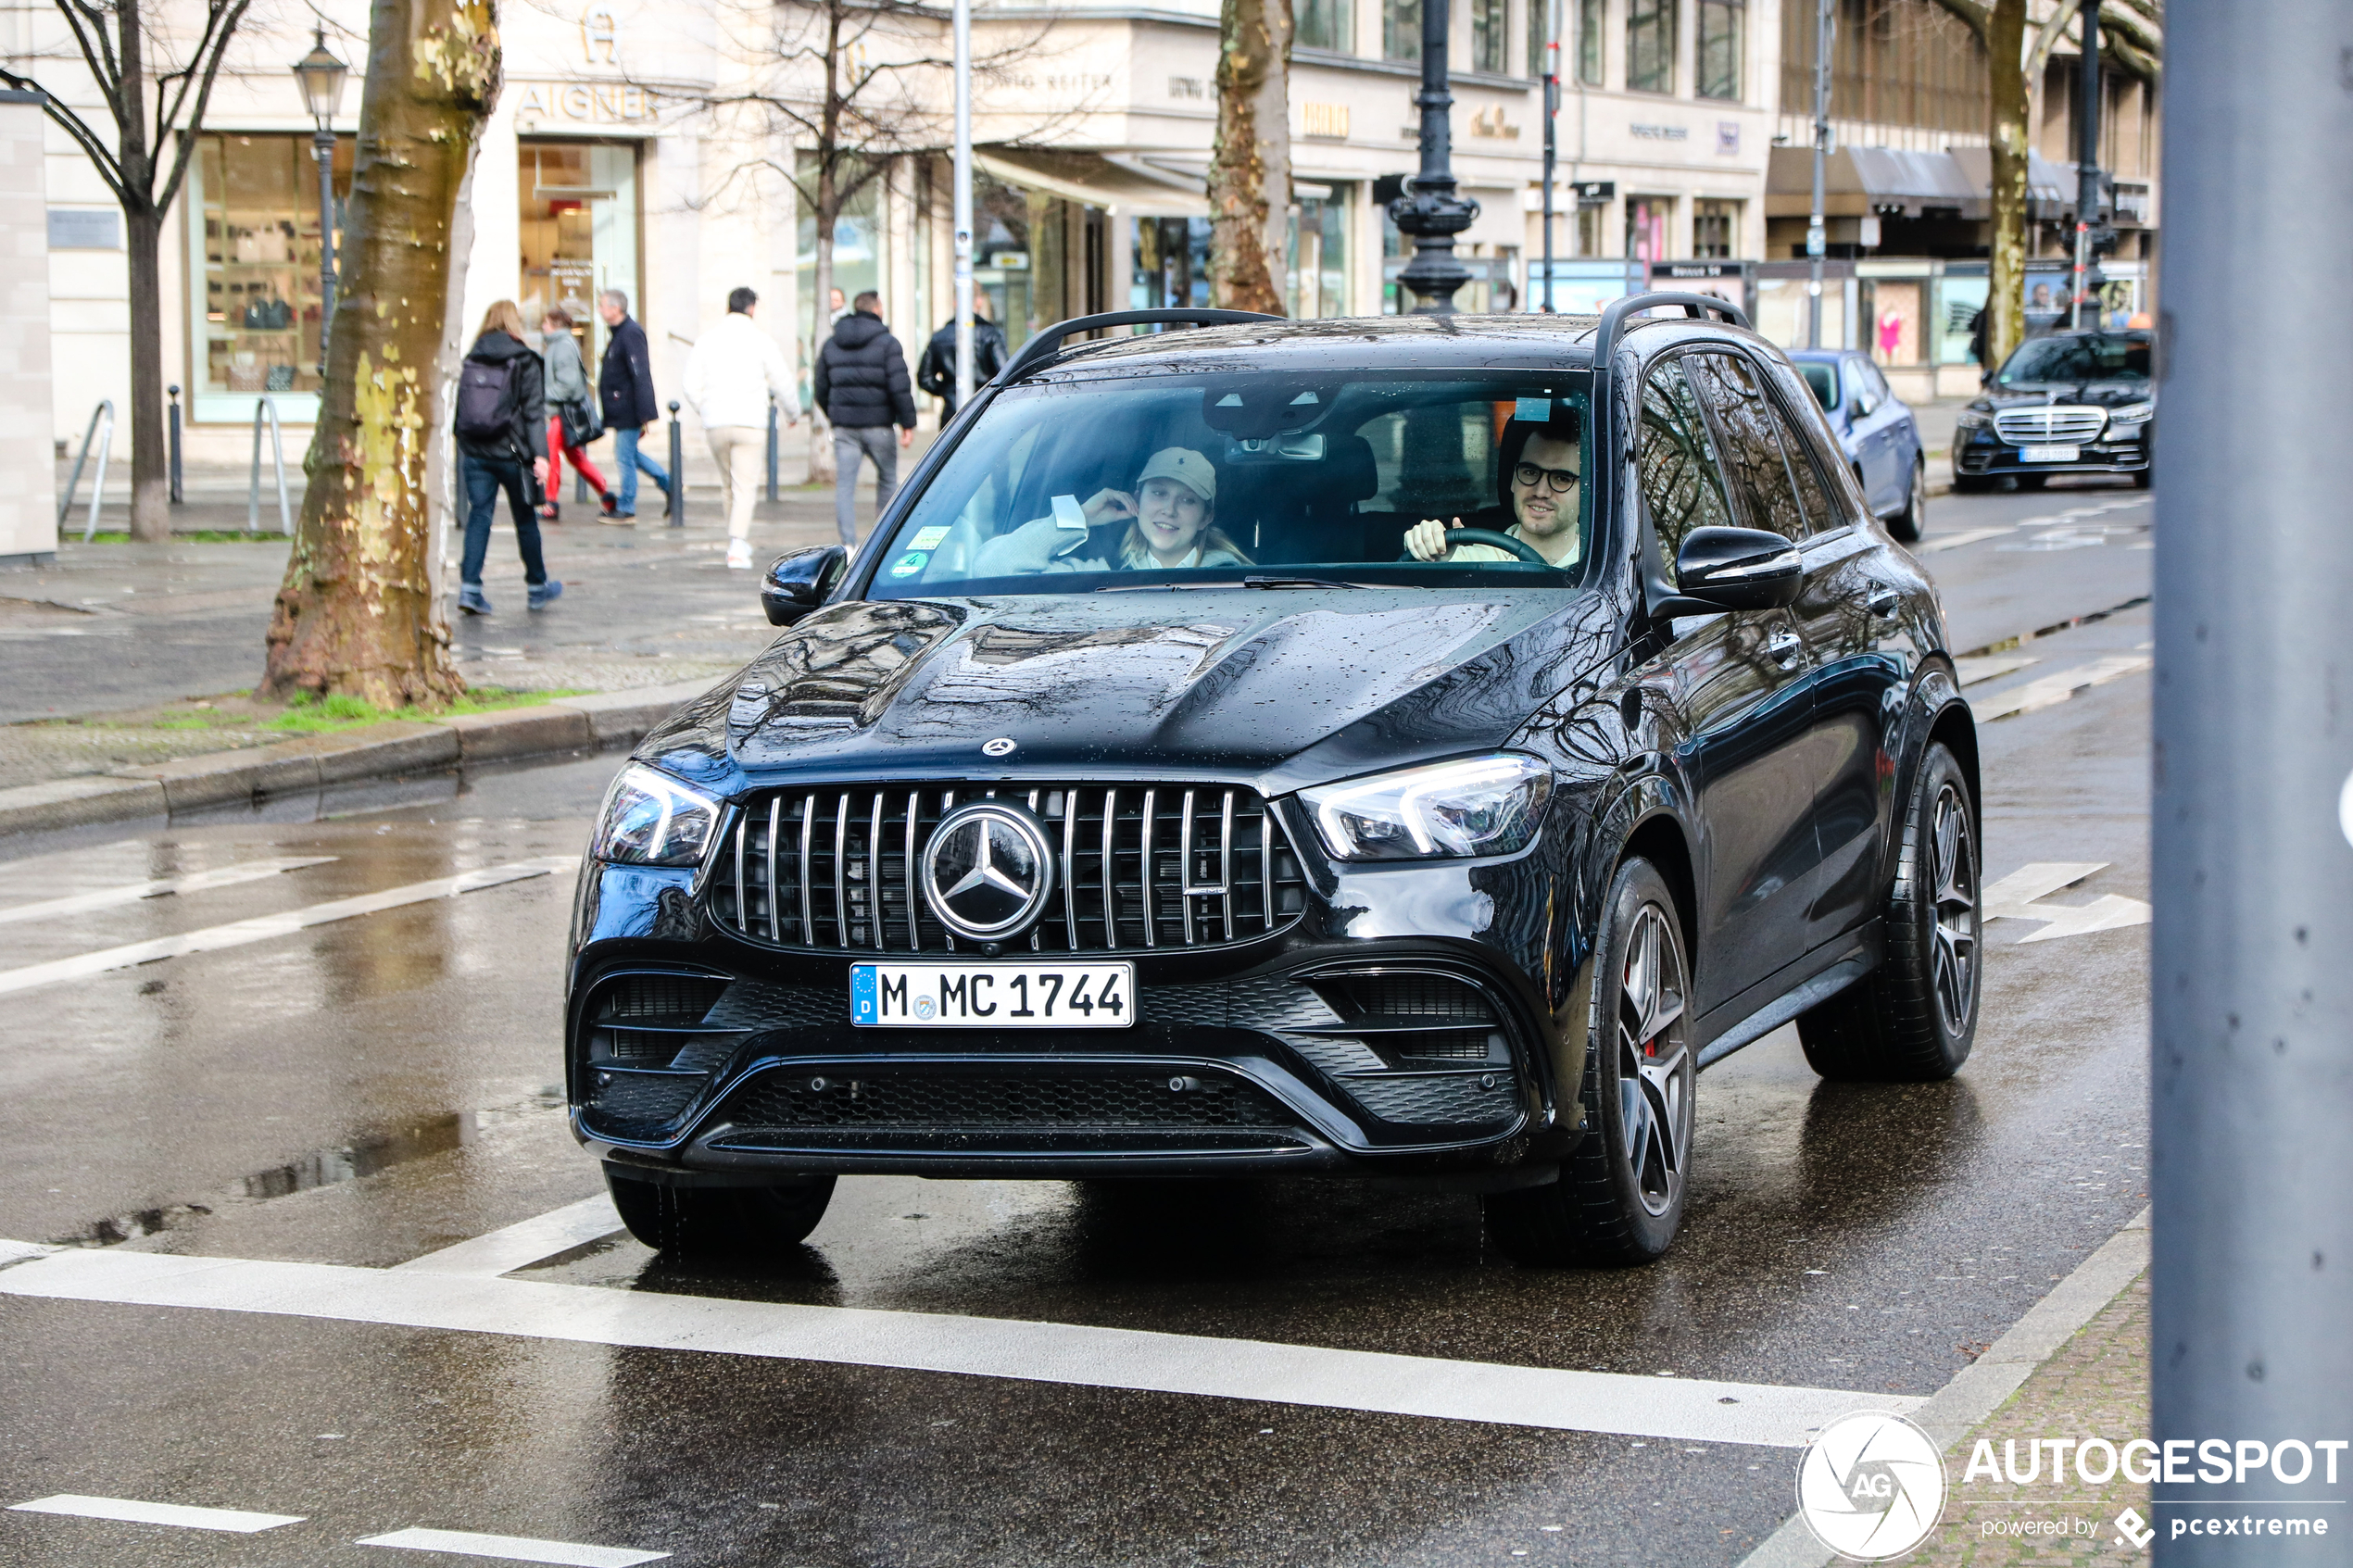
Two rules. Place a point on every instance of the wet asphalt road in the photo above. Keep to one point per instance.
(367, 1091)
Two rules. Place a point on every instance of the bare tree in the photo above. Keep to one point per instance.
(121, 42)
(1250, 172)
(852, 86)
(2001, 26)
(356, 612)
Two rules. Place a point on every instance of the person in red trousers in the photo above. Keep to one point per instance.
(567, 392)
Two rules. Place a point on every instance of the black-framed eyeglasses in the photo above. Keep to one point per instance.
(1556, 479)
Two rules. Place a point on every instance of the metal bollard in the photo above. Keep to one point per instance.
(677, 470)
(177, 497)
(771, 447)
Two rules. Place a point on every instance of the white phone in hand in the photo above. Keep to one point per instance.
(1069, 514)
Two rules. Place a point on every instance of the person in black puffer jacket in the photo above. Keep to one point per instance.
(861, 383)
(502, 435)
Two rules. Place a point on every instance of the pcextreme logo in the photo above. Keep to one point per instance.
(1872, 1486)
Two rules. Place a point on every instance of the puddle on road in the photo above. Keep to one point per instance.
(319, 1167)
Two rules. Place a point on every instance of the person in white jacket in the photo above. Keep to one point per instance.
(730, 374)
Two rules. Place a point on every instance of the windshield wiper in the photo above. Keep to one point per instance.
(1296, 583)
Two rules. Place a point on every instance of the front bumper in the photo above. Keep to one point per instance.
(1263, 1057)
(1983, 454)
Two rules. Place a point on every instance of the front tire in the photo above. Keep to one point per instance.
(1621, 1196)
(714, 1222)
(1906, 525)
(1914, 1019)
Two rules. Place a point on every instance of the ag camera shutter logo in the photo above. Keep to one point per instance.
(1871, 1487)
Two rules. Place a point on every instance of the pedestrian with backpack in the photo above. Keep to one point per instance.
(573, 421)
(935, 371)
(502, 444)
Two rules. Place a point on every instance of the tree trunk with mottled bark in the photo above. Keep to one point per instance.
(356, 614)
(2006, 129)
(150, 458)
(1249, 172)
(821, 429)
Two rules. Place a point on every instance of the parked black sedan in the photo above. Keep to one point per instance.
(2067, 403)
(1409, 748)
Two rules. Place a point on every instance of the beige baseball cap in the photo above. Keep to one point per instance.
(1185, 465)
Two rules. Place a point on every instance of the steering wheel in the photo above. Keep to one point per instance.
(1520, 547)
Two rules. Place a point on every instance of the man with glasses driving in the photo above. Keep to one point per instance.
(1537, 477)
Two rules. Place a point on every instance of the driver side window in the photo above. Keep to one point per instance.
(1675, 459)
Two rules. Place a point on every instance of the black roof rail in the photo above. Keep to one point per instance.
(1696, 306)
(1043, 344)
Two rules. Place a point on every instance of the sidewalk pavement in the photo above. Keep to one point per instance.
(111, 647)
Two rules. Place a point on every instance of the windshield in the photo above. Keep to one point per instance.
(1822, 380)
(2091, 357)
(1268, 479)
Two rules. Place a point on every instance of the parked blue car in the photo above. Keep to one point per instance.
(1876, 429)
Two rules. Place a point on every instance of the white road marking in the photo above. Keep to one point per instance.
(2014, 897)
(1691, 1408)
(1990, 667)
(2052, 690)
(130, 893)
(233, 1520)
(502, 1250)
(261, 928)
(1936, 541)
(514, 1548)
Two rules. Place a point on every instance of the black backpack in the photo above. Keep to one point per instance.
(486, 399)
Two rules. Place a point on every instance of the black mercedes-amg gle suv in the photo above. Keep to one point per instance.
(1410, 748)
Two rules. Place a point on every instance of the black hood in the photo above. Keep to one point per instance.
(496, 347)
(857, 330)
(1288, 687)
(2091, 393)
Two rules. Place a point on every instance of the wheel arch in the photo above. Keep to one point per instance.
(1659, 838)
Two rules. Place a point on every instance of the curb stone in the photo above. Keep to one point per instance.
(602, 720)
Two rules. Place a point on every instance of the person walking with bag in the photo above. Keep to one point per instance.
(730, 375)
(572, 412)
(502, 437)
(625, 394)
(861, 383)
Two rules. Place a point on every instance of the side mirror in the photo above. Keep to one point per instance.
(1865, 405)
(1738, 568)
(799, 582)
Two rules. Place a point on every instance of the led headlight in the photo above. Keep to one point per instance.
(1971, 418)
(2132, 414)
(1479, 806)
(650, 819)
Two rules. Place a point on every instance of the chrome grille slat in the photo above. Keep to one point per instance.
(1120, 874)
(2061, 422)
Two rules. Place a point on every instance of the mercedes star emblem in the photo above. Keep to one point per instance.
(1002, 745)
(988, 869)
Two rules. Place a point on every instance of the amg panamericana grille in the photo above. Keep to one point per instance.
(1138, 866)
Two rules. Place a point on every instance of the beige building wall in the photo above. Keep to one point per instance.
(29, 501)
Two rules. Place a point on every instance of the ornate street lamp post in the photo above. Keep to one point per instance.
(319, 75)
(1429, 210)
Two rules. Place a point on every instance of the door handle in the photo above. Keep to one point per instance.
(1883, 603)
(1786, 648)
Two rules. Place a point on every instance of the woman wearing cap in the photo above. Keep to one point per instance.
(1541, 470)
(1169, 526)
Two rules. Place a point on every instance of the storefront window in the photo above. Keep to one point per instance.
(1892, 307)
(1646, 220)
(858, 255)
(1318, 279)
(1036, 258)
(253, 236)
(577, 234)
(1650, 45)
(1719, 49)
(1958, 299)
(1172, 264)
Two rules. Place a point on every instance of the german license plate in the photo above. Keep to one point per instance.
(2048, 453)
(992, 996)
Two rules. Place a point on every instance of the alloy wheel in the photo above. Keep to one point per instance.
(1952, 869)
(1655, 1065)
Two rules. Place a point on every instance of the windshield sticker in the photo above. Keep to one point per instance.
(927, 538)
(1535, 410)
(909, 563)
